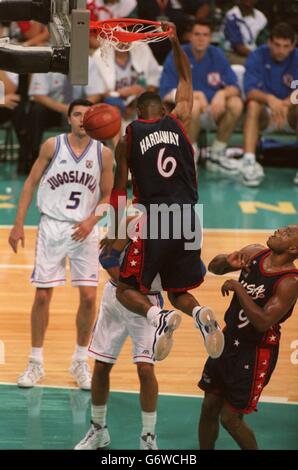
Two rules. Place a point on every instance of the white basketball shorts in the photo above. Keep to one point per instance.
(115, 323)
(53, 245)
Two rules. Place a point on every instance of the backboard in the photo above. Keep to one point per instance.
(68, 22)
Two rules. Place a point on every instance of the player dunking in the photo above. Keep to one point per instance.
(264, 297)
(159, 155)
(75, 176)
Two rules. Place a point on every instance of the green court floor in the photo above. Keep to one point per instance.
(53, 418)
(227, 203)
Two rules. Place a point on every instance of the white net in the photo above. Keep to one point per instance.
(113, 36)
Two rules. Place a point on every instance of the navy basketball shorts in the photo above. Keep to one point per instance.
(180, 268)
(240, 373)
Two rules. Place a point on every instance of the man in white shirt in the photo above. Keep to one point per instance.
(242, 26)
(105, 9)
(125, 75)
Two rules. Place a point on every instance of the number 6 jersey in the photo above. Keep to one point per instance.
(69, 188)
(160, 158)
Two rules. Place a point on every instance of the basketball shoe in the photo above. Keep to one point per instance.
(252, 173)
(218, 161)
(81, 373)
(214, 339)
(148, 442)
(166, 322)
(96, 438)
(33, 374)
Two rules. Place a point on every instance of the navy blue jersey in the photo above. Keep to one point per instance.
(161, 162)
(260, 286)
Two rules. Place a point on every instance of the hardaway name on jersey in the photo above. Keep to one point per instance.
(161, 162)
(260, 286)
(69, 188)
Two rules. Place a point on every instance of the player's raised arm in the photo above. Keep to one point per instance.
(119, 191)
(227, 263)
(184, 93)
(17, 232)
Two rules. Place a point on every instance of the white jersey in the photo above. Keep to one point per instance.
(69, 188)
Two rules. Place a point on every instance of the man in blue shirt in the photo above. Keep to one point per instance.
(217, 102)
(271, 71)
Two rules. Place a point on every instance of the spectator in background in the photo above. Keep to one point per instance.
(105, 9)
(242, 26)
(30, 33)
(180, 12)
(50, 95)
(35, 34)
(269, 79)
(12, 109)
(124, 75)
(217, 103)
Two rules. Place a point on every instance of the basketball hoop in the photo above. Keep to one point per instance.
(123, 34)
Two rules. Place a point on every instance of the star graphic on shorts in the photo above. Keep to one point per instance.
(135, 252)
(264, 363)
(133, 263)
(259, 386)
(262, 375)
(135, 239)
(236, 342)
(256, 397)
(272, 338)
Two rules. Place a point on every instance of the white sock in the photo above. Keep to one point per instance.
(152, 315)
(37, 353)
(149, 422)
(195, 311)
(80, 354)
(98, 415)
(249, 158)
(196, 153)
(218, 146)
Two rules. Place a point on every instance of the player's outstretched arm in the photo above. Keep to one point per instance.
(17, 232)
(119, 191)
(227, 263)
(184, 93)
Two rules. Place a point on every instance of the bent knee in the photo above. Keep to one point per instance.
(235, 105)
(43, 296)
(145, 371)
(254, 108)
(230, 420)
(88, 298)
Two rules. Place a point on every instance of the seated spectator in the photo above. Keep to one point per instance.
(105, 9)
(242, 26)
(50, 95)
(269, 79)
(13, 109)
(217, 103)
(180, 12)
(125, 75)
(30, 33)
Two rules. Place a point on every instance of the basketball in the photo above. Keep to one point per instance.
(102, 121)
